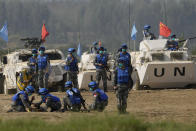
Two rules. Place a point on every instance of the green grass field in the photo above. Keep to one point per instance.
(92, 123)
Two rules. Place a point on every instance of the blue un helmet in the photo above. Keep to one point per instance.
(173, 36)
(34, 51)
(147, 27)
(124, 46)
(71, 50)
(101, 50)
(29, 89)
(42, 48)
(43, 91)
(68, 84)
(92, 85)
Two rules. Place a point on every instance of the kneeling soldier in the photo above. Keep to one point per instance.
(52, 102)
(73, 99)
(20, 101)
(100, 98)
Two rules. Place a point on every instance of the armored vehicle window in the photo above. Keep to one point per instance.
(176, 55)
(157, 57)
(54, 56)
(24, 57)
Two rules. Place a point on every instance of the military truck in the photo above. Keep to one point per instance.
(87, 71)
(157, 67)
(16, 61)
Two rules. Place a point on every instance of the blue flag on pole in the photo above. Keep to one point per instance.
(79, 53)
(133, 33)
(4, 32)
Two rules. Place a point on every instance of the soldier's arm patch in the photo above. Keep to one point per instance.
(95, 95)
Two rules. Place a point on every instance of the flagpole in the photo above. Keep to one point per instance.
(129, 25)
(134, 45)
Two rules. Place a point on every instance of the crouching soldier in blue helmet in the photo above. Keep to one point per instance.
(122, 76)
(43, 68)
(53, 103)
(100, 98)
(71, 67)
(100, 63)
(20, 101)
(73, 99)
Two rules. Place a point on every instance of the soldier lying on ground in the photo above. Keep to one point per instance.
(73, 99)
(20, 101)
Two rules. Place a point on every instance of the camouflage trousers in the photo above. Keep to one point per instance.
(53, 106)
(73, 76)
(98, 105)
(17, 108)
(69, 106)
(101, 74)
(42, 79)
(122, 95)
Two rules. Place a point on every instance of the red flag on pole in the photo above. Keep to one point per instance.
(45, 33)
(164, 30)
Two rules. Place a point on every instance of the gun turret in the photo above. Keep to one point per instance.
(191, 38)
(31, 42)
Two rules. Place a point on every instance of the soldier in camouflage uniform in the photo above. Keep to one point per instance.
(100, 63)
(21, 102)
(52, 103)
(100, 97)
(43, 68)
(71, 67)
(122, 76)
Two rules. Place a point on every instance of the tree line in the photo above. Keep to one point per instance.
(72, 21)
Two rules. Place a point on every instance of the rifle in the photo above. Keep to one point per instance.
(108, 70)
(187, 39)
(82, 100)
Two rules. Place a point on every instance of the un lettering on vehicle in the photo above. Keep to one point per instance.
(177, 71)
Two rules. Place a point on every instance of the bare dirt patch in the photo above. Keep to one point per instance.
(151, 105)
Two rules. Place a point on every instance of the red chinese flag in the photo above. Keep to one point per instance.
(45, 33)
(164, 30)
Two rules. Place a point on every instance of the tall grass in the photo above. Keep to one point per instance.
(92, 123)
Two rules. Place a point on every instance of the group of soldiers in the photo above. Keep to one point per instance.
(73, 101)
(35, 79)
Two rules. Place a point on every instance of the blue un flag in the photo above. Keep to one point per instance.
(79, 52)
(4, 32)
(133, 33)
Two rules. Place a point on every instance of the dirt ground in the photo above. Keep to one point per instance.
(150, 105)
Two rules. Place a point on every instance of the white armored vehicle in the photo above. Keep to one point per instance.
(88, 71)
(16, 61)
(157, 67)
